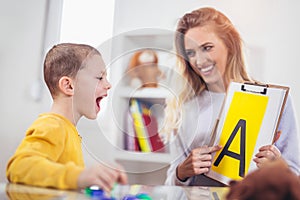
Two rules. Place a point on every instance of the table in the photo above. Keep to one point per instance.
(160, 192)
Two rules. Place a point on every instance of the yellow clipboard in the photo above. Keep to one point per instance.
(248, 119)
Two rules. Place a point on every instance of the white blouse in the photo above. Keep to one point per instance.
(199, 116)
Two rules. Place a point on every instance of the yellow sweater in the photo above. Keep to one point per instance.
(50, 155)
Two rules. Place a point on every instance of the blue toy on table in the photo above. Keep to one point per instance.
(140, 196)
(97, 193)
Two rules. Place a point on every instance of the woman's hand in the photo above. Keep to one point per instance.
(198, 162)
(265, 154)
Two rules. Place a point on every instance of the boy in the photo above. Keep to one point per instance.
(50, 155)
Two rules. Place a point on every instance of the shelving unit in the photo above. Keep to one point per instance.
(134, 31)
(124, 45)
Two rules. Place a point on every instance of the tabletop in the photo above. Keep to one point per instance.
(160, 192)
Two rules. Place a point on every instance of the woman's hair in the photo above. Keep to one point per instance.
(65, 59)
(235, 66)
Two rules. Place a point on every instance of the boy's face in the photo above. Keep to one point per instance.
(90, 87)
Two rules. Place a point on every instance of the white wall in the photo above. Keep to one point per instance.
(22, 44)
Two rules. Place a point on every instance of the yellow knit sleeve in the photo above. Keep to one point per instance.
(50, 155)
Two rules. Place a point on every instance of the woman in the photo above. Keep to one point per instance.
(210, 55)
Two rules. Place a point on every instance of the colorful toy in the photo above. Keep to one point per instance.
(97, 193)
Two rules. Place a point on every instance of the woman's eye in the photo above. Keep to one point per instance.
(190, 53)
(206, 48)
(100, 78)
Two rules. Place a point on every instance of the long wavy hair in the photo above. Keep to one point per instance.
(194, 84)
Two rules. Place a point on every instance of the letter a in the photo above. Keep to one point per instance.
(225, 151)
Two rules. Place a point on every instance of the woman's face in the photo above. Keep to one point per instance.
(207, 55)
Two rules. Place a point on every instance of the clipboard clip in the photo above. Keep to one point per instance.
(254, 88)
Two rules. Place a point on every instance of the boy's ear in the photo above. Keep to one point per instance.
(65, 84)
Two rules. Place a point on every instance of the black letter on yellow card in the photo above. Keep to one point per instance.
(225, 151)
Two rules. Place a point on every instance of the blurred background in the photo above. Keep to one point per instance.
(270, 30)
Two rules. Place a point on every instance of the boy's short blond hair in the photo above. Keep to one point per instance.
(65, 59)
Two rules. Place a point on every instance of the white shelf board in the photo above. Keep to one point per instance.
(133, 156)
(148, 93)
(150, 32)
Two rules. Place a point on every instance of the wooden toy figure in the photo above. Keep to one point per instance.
(143, 69)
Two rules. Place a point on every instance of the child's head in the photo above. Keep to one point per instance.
(274, 180)
(64, 60)
(77, 72)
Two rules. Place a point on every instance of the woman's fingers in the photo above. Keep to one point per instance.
(266, 153)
